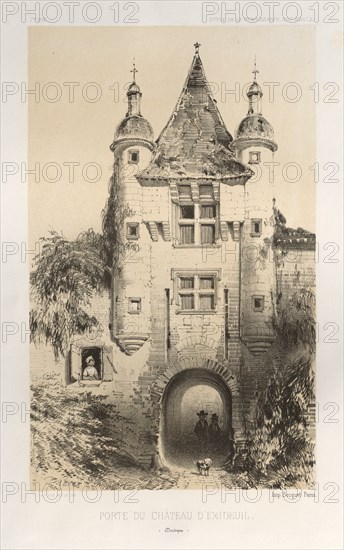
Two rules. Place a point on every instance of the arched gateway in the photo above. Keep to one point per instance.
(182, 391)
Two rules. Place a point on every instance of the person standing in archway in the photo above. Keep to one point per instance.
(201, 430)
(214, 432)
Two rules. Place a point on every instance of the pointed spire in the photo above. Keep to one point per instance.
(194, 135)
(196, 94)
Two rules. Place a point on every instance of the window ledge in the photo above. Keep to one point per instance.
(88, 383)
(214, 245)
(255, 234)
(196, 312)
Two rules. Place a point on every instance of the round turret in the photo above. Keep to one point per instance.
(254, 127)
(134, 127)
(254, 130)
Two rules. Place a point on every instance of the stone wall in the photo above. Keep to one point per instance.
(295, 270)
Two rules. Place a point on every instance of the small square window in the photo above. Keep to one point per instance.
(195, 292)
(135, 305)
(256, 227)
(132, 230)
(254, 157)
(133, 156)
(258, 303)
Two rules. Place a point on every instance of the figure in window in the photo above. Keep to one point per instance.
(90, 372)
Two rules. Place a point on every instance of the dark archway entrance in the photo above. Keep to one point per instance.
(187, 393)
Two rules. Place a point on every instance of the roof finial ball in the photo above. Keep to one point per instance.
(197, 46)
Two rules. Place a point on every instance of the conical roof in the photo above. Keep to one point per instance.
(195, 141)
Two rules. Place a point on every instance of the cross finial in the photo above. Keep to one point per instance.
(197, 46)
(134, 70)
(255, 70)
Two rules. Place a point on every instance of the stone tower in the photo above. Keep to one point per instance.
(255, 147)
(132, 147)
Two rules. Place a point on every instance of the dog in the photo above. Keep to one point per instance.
(203, 466)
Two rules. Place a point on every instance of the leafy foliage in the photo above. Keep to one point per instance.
(280, 439)
(113, 216)
(280, 450)
(220, 162)
(82, 437)
(295, 323)
(65, 275)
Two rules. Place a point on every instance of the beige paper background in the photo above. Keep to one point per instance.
(27, 524)
(81, 131)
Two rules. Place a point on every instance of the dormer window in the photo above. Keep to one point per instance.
(197, 219)
(254, 157)
(133, 156)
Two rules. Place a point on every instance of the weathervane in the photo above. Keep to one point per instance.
(197, 45)
(255, 70)
(134, 70)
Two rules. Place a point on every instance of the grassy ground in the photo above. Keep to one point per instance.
(79, 439)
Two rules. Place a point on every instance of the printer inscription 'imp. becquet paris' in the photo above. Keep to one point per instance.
(206, 262)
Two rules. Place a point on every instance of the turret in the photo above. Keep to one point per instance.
(132, 148)
(133, 128)
(255, 147)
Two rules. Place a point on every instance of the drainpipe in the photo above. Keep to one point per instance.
(240, 247)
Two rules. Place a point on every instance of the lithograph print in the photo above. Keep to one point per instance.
(173, 287)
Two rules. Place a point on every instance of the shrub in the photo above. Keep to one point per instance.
(280, 451)
(78, 436)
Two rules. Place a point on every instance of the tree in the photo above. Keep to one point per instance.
(295, 322)
(65, 275)
(279, 446)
